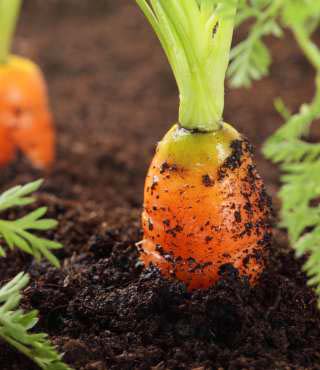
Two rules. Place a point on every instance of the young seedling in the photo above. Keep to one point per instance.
(288, 146)
(25, 118)
(205, 206)
(15, 324)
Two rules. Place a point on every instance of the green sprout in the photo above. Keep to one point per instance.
(298, 158)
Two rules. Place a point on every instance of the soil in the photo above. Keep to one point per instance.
(113, 98)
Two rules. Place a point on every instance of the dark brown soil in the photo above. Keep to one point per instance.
(113, 97)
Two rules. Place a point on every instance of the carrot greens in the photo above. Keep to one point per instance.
(250, 59)
(9, 12)
(18, 233)
(289, 146)
(15, 324)
(196, 37)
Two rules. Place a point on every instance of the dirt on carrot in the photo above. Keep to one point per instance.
(100, 309)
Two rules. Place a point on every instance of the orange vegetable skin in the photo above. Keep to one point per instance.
(205, 207)
(25, 118)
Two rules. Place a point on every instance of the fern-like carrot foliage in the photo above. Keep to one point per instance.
(18, 233)
(15, 324)
(288, 146)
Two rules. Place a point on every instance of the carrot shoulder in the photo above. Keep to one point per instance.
(205, 207)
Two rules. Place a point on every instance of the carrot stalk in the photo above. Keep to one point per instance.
(199, 61)
(9, 13)
(205, 206)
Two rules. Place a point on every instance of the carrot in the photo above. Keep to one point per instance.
(205, 205)
(25, 117)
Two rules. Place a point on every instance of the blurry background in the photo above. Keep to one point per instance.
(113, 97)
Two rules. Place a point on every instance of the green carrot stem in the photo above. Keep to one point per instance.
(309, 48)
(196, 36)
(9, 12)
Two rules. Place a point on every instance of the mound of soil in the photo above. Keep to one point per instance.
(105, 312)
(113, 96)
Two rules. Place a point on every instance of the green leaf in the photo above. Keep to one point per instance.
(300, 193)
(18, 196)
(15, 326)
(250, 60)
(300, 11)
(18, 233)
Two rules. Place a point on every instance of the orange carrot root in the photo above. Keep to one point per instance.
(205, 207)
(25, 118)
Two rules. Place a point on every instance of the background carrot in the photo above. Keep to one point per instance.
(205, 206)
(25, 117)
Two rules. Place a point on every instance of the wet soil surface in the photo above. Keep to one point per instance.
(113, 97)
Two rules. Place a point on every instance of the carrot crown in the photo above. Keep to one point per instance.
(9, 12)
(196, 36)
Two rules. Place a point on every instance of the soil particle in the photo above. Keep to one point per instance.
(207, 181)
(237, 216)
(175, 230)
(166, 222)
(155, 182)
(150, 224)
(234, 160)
(167, 167)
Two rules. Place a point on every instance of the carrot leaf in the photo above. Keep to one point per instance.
(19, 233)
(15, 326)
(251, 59)
(298, 158)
